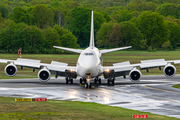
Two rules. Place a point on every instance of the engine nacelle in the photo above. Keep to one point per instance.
(169, 70)
(44, 75)
(11, 70)
(135, 75)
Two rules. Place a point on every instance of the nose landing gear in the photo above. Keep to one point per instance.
(88, 85)
(88, 82)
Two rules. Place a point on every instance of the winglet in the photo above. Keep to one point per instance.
(91, 44)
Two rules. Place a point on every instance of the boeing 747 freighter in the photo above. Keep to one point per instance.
(89, 66)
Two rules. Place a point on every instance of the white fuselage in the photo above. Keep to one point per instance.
(89, 63)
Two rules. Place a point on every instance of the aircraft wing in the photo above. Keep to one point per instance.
(6, 61)
(114, 49)
(124, 68)
(35, 64)
(69, 49)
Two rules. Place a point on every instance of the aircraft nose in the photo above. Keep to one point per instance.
(89, 68)
(89, 65)
(90, 71)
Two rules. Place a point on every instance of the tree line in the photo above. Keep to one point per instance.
(146, 32)
(37, 25)
(33, 31)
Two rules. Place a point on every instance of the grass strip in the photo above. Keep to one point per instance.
(176, 86)
(72, 110)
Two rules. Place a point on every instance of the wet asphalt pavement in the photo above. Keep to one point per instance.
(152, 94)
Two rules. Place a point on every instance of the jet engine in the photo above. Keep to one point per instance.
(44, 75)
(169, 70)
(135, 75)
(11, 70)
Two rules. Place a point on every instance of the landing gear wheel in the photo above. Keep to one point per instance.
(113, 81)
(81, 80)
(89, 85)
(86, 85)
(71, 81)
(84, 80)
(108, 81)
(99, 80)
(67, 80)
(95, 81)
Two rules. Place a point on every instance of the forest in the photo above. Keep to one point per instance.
(37, 25)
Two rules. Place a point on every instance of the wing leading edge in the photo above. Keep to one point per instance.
(69, 49)
(114, 49)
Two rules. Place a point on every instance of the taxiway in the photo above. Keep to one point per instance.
(152, 94)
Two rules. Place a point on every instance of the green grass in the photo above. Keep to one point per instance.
(108, 60)
(73, 110)
(176, 86)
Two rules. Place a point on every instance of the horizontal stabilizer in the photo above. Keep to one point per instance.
(69, 49)
(114, 49)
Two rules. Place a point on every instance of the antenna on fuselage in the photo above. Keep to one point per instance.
(91, 44)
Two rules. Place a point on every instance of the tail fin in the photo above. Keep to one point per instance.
(91, 44)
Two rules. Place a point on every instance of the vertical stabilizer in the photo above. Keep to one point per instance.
(91, 45)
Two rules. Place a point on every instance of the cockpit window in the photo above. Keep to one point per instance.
(88, 54)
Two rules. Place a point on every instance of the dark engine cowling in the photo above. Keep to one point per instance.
(135, 75)
(11, 70)
(44, 75)
(169, 70)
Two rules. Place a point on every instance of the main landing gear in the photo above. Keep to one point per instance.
(82, 81)
(69, 80)
(70, 74)
(110, 81)
(97, 80)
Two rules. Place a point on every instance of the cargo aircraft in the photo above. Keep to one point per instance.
(89, 66)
